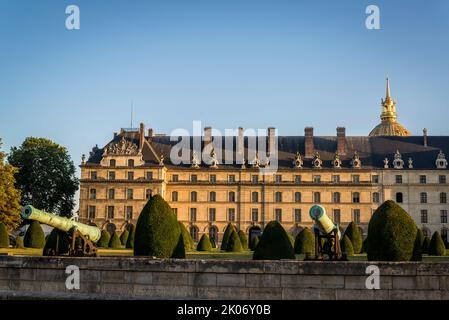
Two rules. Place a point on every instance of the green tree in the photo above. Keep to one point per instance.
(346, 246)
(425, 245)
(243, 239)
(130, 240)
(9, 195)
(274, 244)
(124, 237)
(114, 242)
(4, 236)
(34, 236)
(57, 243)
(436, 246)
(103, 242)
(255, 242)
(353, 233)
(391, 234)
(228, 231)
(46, 175)
(204, 244)
(305, 242)
(187, 239)
(417, 250)
(234, 244)
(157, 230)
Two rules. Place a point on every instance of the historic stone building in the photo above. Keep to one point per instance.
(349, 175)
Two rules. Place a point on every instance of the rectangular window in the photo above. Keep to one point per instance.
(91, 212)
(212, 196)
(111, 194)
(423, 197)
(422, 179)
(254, 215)
(231, 178)
(297, 197)
(231, 214)
(149, 175)
(423, 216)
(110, 212)
(278, 215)
(297, 179)
(443, 215)
(442, 179)
(212, 212)
(316, 179)
(93, 175)
(355, 178)
(356, 216)
(148, 193)
(336, 179)
(376, 197)
(254, 197)
(93, 194)
(193, 196)
(255, 179)
(375, 178)
(174, 196)
(278, 196)
(336, 213)
(130, 175)
(111, 175)
(193, 214)
(297, 215)
(232, 196)
(175, 178)
(398, 178)
(336, 197)
(356, 197)
(194, 178)
(129, 212)
(316, 197)
(278, 178)
(213, 178)
(130, 194)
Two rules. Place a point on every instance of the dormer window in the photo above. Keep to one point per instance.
(441, 162)
(112, 163)
(130, 163)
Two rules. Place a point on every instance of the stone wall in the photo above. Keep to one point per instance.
(142, 278)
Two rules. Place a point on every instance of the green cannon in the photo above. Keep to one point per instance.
(81, 236)
(325, 228)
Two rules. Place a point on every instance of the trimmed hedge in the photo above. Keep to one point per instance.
(243, 239)
(234, 244)
(391, 234)
(436, 246)
(353, 233)
(305, 242)
(57, 243)
(157, 230)
(187, 239)
(180, 250)
(425, 245)
(19, 242)
(255, 242)
(103, 242)
(34, 236)
(124, 237)
(213, 244)
(274, 244)
(204, 244)
(114, 242)
(227, 234)
(4, 236)
(417, 250)
(131, 236)
(346, 246)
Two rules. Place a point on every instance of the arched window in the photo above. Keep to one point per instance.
(232, 196)
(297, 197)
(423, 197)
(193, 196)
(174, 196)
(278, 196)
(399, 197)
(336, 197)
(356, 197)
(112, 163)
(194, 233)
(254, 196)
(130, 163)
(443, 197)
(212, 196)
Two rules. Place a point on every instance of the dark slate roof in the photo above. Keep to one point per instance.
(371, 150)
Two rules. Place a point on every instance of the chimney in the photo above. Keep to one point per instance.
(309, 148)
(425, 136)
(271, 140)
(207, 135)
(150, 135)
(341, 140)
(141, 135)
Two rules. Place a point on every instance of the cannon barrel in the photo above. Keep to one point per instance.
(60, 223)
(322, 221)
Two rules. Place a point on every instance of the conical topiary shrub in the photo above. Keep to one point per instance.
(346, 246)
(34, 236)
(130, 240)
(425, 245)
(243, 239)
(57, 243)
(124, 237)
(114, 242)
(353, 233)
(391, 234)
(305, 242)
(19, 243)
(228, 231)
(187, 239)
(274, 244)
(103, 242)
(234, 244)
(204, 244)
(254, 242)
(436, 246)
(4, 236)
(180, 250)
(213, 244)
(417, 250)
(157, 230)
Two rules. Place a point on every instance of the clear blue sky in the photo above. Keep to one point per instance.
(287, 64)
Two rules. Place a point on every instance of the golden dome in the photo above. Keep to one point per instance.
(389, 125)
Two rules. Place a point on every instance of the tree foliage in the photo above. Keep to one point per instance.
(187, 239)
(124, 237)
(305, 242)
(204, 244)
(436, 246)
(9, 195)
(103, 242)
(4, 236)
(234, 243)
(346, 246)
(274, 244)
(34, 236)
(417, 249)
(243, 239)
(228, 231)
(130, 240)
(114, 242)
(354, 234)
(57, 242)
(46, 175)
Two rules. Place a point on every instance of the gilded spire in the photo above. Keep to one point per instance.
(387, 97)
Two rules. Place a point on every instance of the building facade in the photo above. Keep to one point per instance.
(350, 176)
